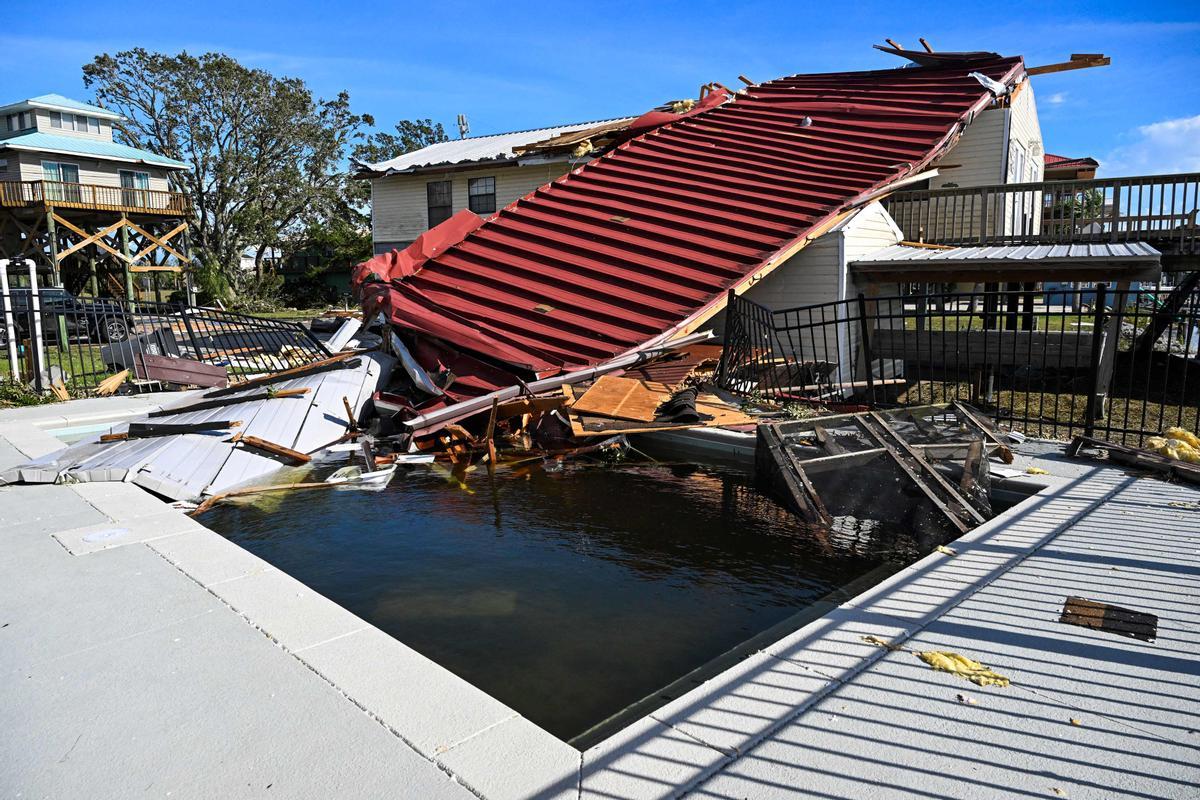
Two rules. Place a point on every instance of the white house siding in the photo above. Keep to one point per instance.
(1023, 212)
(399, 211)
(44, 126)
(982, 156)
(91, 170)
(11, 170)
(819, 274)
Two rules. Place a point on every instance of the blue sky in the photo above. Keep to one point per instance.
(512, 66)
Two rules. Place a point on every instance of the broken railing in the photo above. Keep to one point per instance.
(53, 341)
(1056, 362)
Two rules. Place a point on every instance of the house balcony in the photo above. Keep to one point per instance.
(91, 197)
(1158, 210)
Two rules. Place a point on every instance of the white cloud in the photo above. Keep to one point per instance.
(1057, 99)
(1172, 145)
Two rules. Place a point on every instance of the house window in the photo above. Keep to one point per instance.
(93, 125)
(22, 121)
(61, 181)
(481, 195)
(133, 188)
(56, 119)
(439, 196)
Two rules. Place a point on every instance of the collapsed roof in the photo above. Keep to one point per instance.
(643, 243)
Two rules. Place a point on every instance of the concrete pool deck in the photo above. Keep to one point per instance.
(146, 655)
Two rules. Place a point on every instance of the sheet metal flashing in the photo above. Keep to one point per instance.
(628, 248)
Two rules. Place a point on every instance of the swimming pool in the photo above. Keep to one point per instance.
(579, 596)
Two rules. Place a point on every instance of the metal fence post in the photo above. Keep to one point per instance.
(1098, 333)
(10, 322)
(731, 319)
(865, 335)
(35, 323)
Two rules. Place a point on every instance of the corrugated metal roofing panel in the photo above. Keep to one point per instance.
(493, 147)
(1091, 251)
(627, 247)
(186, 466)
(88, 147)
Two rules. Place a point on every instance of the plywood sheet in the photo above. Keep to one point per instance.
(622, 398)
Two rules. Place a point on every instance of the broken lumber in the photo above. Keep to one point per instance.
(527, 405)
(203, 405)
(339, 361)
(275, 449)
(1137, 457)
(427, 423)
(1078, 61)
(178, 371)
(111, 383)
(146, 430)
(786, 478)
(622, 398)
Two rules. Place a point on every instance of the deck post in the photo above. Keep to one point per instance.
(93, 275)
(1098, 344)
(52, 238)
(125, 265)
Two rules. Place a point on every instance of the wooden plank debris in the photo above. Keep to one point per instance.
(1137, 458)
(221, 402)
(339, 361)
(775, 465)
(147, 430)
(622, 398)
(111, 383)
(275, 449)
(960, 513)
(1078, 61)
(178, 371)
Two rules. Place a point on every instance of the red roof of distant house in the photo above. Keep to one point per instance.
(1064, 162)
(624, 249)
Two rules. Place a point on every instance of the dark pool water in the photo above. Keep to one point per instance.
(568, 595)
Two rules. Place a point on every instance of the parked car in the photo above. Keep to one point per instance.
(98, 320)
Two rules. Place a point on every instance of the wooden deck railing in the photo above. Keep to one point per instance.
(22, 194)
(1161, 210)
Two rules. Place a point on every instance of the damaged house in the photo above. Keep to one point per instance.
(769, 191)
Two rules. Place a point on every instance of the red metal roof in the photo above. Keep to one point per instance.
(626, 248)
(1060, 162)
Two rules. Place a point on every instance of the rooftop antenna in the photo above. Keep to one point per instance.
(463, 127)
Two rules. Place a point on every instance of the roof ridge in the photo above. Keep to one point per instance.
(543, 128)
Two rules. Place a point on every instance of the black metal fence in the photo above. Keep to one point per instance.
(50, 337)
(1118, 364)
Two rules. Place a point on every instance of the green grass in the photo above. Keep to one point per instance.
(81, 362)
(1048, 412)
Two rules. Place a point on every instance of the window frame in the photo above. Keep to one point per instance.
(486, 199)
(446, 208)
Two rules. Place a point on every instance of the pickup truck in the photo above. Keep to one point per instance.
(96, 320)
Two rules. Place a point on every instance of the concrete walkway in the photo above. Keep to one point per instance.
(143, 655)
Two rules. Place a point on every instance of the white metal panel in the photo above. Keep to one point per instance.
(479, 148)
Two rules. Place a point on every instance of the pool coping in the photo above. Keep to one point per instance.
(483, 744)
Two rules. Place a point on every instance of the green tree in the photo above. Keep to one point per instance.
(266, 158)
(410, 135)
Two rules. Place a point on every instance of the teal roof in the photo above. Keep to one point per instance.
(77, 145)
(58, 101)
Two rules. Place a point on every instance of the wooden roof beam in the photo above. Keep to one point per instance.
(1078, 61)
